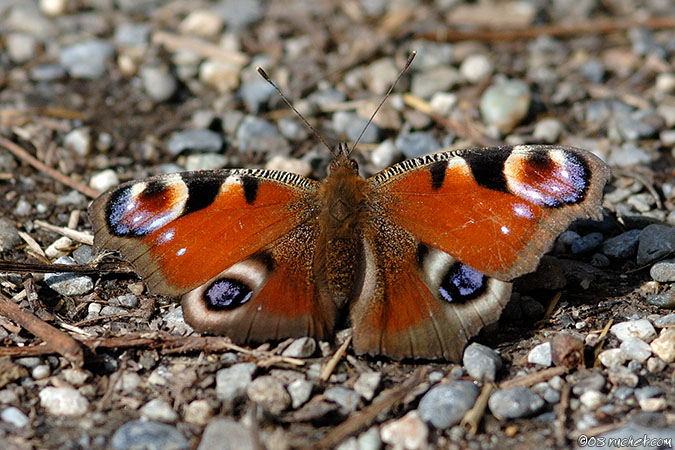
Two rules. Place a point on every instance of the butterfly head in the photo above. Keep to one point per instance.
(343, 160)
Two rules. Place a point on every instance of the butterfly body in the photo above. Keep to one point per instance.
(419, 257)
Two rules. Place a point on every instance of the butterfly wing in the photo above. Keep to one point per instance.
(446, 228)
(181, 230)
(497, 210)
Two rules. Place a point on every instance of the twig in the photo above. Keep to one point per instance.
(552, 305)
(533, 378)
(331, 364)
(646, 183)
(56, 341)
(79, 236)
(561, 423)
(203, 48)
(473, 416)
(33, 245)
(601, 338)
(23, 155)
(84, 269)
(602, 26)
(368, 414)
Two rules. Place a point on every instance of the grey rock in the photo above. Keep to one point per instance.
(268, 392)
(21, 47)
(512, 403)
(79, 141)
(256, 134)
(206, 161)
(351, 125)
(255, 94)
(592, 400)
(545, 391)
(640, 124)
(622, 376)
(432, 54)
(646, 392)
(69, 283)
(194, 140)
(127, 300)
(301, 348)
(593, 70)
(445, 405)
(623, 246)
(612, 357)
(231, 383)
(159, 410)
(300, 390)
(9, 236)
(636, 350)
(476, 68)
(15, 417)
(147, 435)
(326, 97)
(47, 72)
(109, 310)
(628, 154)
(622, 393)
(384, 155)
(347, 399)
(291, 129)
(240, 13)
(505, 104)
(158, 82)
(593, 382)
(587, 244)
(548, 130)
(132, 34)
(88, 59)
(663, 271)
(481, 362)
(416, 144)
(72, 198)
(438, 79)
(665, 321)
(641, 329)
(665, 300)
(226, 434)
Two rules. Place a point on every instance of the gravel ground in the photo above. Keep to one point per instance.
(106, 91)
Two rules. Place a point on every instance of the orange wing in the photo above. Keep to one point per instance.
(181, 230)
(497, 210)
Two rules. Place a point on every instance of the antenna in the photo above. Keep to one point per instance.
(283, 97)
(386, 96)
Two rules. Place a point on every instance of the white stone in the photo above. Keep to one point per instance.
(104, 180)
(653, 404)
(198, 412)
(636, 349)
(641, 329)
(202, 22)
(222, 76)
(287, 164)
(63, 401)
(409, 432)
(541, 354)
(443, 102)
(160, 410)
(592, 399)
(476, 68)
(612, 357)
(53, 7)
(15, 417)
(664, 345)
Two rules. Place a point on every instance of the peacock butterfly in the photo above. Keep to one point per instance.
(419, 256)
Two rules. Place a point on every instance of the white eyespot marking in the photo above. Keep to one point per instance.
(522, 210)
(505, 229)
(181, 251)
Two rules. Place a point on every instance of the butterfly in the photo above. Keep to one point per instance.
(418, 257)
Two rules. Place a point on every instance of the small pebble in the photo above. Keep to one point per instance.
(445, 405)
(222, 76)
(513, 403)
(665, 300)
(79, 141)
(370, 440)
(75, 377)
(636, 349)
(476, 68)
(256, 94)
(481, 362)
(655, 365)
(346, 398)
(300, 390)
(104, 180)
(663, 271)
(628, 154)
(623, 246)
(622, 376)
(63, 401)
(505, 104)
(384, 155)
(21, 47)
(206, 161)
(88, 59)
(408, 433)
(592, 399)
(541, 354)
(587, 243)
(438, 79)
(158, 82)
(40, 372)
(367, 383)
(545, 391)
(194, 140)
(443, 103)
(612, 357)
(143, 434)
(300, 348)
(159, 410)
(240, 13)
(268, 392)
(656, 242)
(431, 54)
(664, 345)
(256, 134)
(232, 382)
(46, 72)
(202, 22)
(198, 412)
(286, 164)
(416, 144)
(665, 321)
(653, 404)
(547, 130)
(227, 434)
(9, 236)
(15, 417)
(641, 329)
(132, 34)
(593, 382)
(69, 283)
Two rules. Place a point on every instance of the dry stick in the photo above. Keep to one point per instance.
(601, 338)
(23, 155)
(203, 48)
(84, 269)
(533, 378)
(329, 367)
(368, 414)
(646, 183)
(78, 236)
(561, 423)
(602, 26)
(56, 341)
(473, 416)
